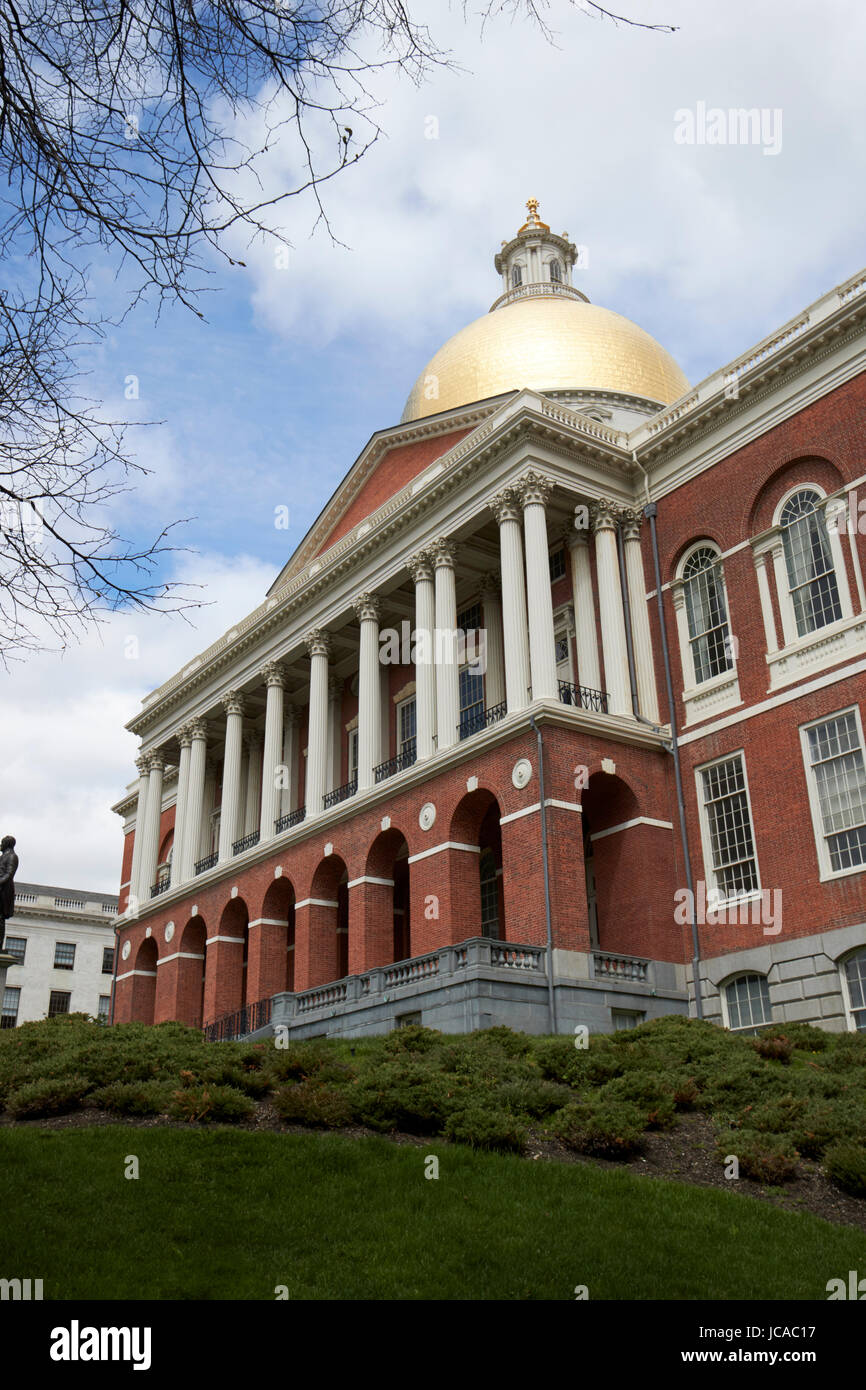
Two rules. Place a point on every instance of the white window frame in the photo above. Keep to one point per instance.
(846, 987)
(399, 707)
(825, 867)
(352, 749)
(723, 997)
(783, 585)
(717, 693)
(719, 903)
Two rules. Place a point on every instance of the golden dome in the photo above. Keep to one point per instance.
(549, 343)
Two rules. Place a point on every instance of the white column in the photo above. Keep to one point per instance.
(445, 644)
(182, 803)
(207, 812)
(319, 647)
(134, 896)
(195, 799)
(535, 490)
(763, 578)
(335, 743)
(647, 692)
(233, 703)
(253, 800)
(288, 794)
(616, 677)
(274, 678)
(494, 680)
(367, 608)
(678, 595)
(153, 812)
(585, 637)
(786, 607)
(507, 510)
(421, 570)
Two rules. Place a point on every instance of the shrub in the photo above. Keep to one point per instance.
(407, 1093)
(766, 1158)
(775, 1048)
(308, 1103)
(302, 1060)
(849, 1052)
(212, 1103)
(50, 1096)
(605, 1130)
(531, 1097)
(486, 1127)
(511, 1043)
(413, 1038)
(556, 1059)
(133, 1097)
(807, 1038)
(845, 1164)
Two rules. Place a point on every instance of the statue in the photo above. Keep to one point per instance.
(8, 868)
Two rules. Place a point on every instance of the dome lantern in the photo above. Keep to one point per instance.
(535, 261)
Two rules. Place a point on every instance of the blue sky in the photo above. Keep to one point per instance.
(270, 400)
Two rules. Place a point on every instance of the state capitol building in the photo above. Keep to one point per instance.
(554, 717)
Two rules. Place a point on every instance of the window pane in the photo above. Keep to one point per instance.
(855, 973)
(732, 848)
(707, 615)
(58, 1003)
(11, 996)
(108, 960)
(748, 1000)
(64, 955)
(17, 947)
(811, 574)
(840, 780)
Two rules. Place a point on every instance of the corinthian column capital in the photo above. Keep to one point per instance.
(632, 519)
(156, 760)
(444, 552)
(604, 515)
(368, 607)
(273, 673)
(506, 506)
(233, 702)
(142, 762)
(184, 735)
(318, 642)
(420, 565)
(534, 487)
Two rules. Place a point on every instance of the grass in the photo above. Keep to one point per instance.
(223, 1214)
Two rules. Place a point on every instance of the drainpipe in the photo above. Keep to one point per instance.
(114, 979)
(551, 993)
(651, 511)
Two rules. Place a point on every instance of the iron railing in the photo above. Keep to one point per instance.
(472, 721)
(333, 798)
(161, 887)
(289, 819)
(583, 697)
(208, 862)
(395, 765)
(236, 1025)
(246, 842)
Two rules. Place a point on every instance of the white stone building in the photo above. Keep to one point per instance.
(63, 940)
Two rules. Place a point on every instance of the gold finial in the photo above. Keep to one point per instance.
(532, 209)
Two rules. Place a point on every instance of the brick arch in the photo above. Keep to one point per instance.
(704, 537)
(475, 822)
(381, 905)
(322, 926)
(811, 468)
(272, 942)
(190, 972)
(144, 981)
(226, 962)
(468, 815)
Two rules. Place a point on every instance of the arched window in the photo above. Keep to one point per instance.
(489, 894)
(811, 575)
(556, 271)
(854, 972)
(707, 613)
(516, 276)
(747, 1002)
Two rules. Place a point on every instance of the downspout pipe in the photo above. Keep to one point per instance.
(551, 992)
(650, 511)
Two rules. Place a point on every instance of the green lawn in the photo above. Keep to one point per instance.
(222, 1213)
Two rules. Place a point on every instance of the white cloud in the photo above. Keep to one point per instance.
(68, 756)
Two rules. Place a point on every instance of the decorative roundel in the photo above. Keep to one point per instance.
(169, 930)
(427, 815)
(127, 947)
(521, 772)
(149, 931)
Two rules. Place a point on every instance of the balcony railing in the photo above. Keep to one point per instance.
(208, 862)
(246, 842)
(583, 697)
(289, 819)
(238, 1024)
(161, 887)
(473, 720)
(333, 798)
(398, 764)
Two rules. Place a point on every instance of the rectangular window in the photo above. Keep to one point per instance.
(471, 701)
(625, 1018)
(58, 1002)
(17, 947)
(748, 1002)
(729, 843)
(406, 726)
(64, 955)
(834, 757)
(353, 753)
(556, 562)
(855, 974)
(104, 1007)
(108, 960)
(11, 999)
